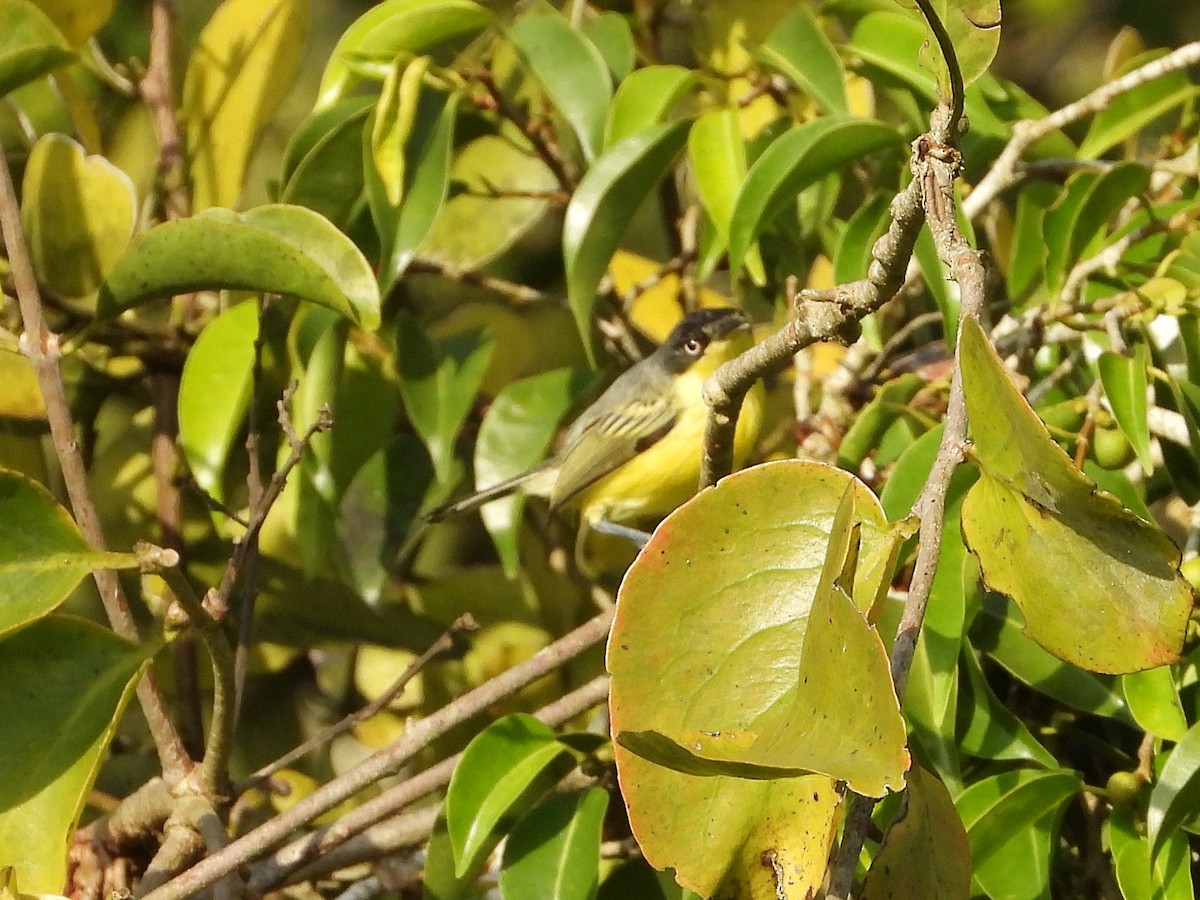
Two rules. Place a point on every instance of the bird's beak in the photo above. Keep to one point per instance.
(735, 321)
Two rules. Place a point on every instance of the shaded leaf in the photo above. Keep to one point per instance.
(315, 169)
(277, 248)
(799, 49)
(1125, 385)
(609, 32)
(1176, 793)
(236, 78)
(925, 852)
(1097, 585)
(42, 554)
(571, 71)
(599, 210)
(992, 730)
(553, 853)
(59, 711)
(30, 45)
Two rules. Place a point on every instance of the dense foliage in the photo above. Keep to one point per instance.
(265, 308)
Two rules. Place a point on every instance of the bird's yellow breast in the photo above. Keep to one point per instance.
(666, 474)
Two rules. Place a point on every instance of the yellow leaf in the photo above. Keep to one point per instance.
(78, 20)
(242, 68)
(394, 115)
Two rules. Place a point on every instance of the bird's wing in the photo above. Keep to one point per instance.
(602, 443)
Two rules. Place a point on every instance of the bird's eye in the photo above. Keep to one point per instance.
(693, 347)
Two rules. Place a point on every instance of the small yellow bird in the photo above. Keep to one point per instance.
(634, 454)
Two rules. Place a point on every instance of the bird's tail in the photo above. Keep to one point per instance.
(538, 480)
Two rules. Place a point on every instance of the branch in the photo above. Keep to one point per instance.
(385, 762)
(41, 346)
(372, 840)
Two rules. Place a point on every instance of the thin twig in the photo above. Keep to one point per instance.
(443, 644)
(158, 91)
(510, 290)
(41, 346)
(385, 762)
(357, 836)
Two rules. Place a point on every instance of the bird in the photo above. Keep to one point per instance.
(634, 453)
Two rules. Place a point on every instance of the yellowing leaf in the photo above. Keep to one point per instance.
(78, 20)
(237, 75)
(1098, 586)
(394, 116)
(79, 213)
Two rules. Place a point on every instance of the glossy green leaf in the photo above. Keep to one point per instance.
(992, 731)
(1125, 385)
(891, 41)
(799, 49)
(1132, 111)
(514, 435)
(500, 764)
(974, 30)
(1011, 821)
(793, 161)
(737, 603)
(78, 211)
(220, 364)
(717, 153)
(438, 381)
(943, 289)
(1176, 793)
(1108, 195)
(1027, 260)
(1167, 877)
(1059, 223)
(610, 33)
(853, 256)
(30, 45)
(571, 71)
(236, 78)
(645, 99)
(1153, 699)
(321, 168)
(394, 27)
(1097, 585)
(392, 124)
(278, 249)
(553, 853)
(925, 852)
(42, 554)
(59, 711)
(889, 403)
(599, 210)
(425, 177)
(997, 632)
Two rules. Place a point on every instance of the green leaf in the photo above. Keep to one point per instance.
(78, 211)
(426, 152)
(925, 852)
(943, 289)
(1167, 877)
(1176, 793)
(514, 435)
(42, 554)
(610, 33)
(30, 45)
(277, 248)
(1129, 113)
(1107, 196)
(1058, 224)
(600, 208)
(645, 99)
(236, 78)
(59, 711)
(1153, 699)
(717, 153)
(891, 41)
(438, 381)
(1097, 585)
(392, 124)
(394, 27)
(1027, 260)
(889, 404)
(992, 731)
(220, 364)
(793, 161)
(1125, 385)
(553, 853)
(78, 20)
(853, 256)
(1010, 820)
(799, 49)
(973, 27)
(737, 604)
(321, 166)
(571, 71)
(499, 766)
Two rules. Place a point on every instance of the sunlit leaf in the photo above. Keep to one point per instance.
(59, 711)
(78, 211)
(800, 50)
(278, 249)
(1125, 384)
(239, 73)
(78, 20)
(30, 45)
(1097, 585)
(1153, 699)
(571, 71)
(645, 99)
(599, 210)
(42, 554)
(1176, 792)
(973, 27)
